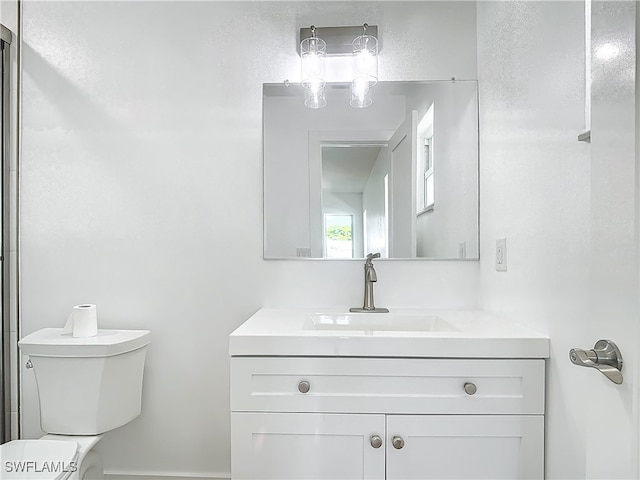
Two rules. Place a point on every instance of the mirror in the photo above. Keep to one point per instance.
(399, 177)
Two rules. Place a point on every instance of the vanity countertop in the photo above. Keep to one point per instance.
(472, 334)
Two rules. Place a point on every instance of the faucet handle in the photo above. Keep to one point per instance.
(371, 256)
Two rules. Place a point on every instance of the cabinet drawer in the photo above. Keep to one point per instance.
(387, 385)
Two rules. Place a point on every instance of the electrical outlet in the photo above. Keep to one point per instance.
(501, 254)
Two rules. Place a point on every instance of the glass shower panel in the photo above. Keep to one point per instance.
(5, 360)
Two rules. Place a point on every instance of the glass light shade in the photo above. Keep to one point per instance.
(360, 93)
(313, 52)
(365, 58)
(315, 98)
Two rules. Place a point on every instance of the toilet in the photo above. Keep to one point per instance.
(86, 387)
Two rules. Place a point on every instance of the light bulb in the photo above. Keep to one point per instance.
(360, 86)
(360, 93)
(365, 58)
(313, 51)
(315, 97)
(363, 61)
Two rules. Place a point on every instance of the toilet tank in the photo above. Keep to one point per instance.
(87, 386)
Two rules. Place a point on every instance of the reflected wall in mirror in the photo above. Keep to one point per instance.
(399, 177)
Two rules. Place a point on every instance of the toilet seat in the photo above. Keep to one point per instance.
(38, 459)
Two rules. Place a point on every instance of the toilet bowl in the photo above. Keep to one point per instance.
(86, 387)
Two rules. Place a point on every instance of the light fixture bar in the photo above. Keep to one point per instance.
(339, 40)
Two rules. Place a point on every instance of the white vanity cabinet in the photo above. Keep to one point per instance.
(465, 446)
(393, 418)
(306, 446)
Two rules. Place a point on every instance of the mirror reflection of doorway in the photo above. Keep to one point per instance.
(338, 236)
(351, 184)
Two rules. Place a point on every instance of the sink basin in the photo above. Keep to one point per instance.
(392, 322)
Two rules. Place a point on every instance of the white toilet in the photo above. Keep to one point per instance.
(86, 387)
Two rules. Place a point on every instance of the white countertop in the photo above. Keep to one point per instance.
(286, 332)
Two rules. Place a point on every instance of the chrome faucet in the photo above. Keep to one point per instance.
(369, 278)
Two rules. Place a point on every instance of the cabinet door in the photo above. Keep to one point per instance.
(465, 446)
(306, 446)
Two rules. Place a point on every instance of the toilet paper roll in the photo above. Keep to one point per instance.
(82, 322)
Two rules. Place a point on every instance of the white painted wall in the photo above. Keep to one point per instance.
(141, 190)
(534, 191)
(567, 211)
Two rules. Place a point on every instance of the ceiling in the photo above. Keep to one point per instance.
(346, 168)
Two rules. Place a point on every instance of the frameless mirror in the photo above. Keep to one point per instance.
(399, 177)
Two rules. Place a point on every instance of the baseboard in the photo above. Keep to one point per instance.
(165, 476)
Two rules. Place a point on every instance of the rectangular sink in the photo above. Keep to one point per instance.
(391, 322)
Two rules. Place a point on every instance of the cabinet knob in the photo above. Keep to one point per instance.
(397, 443)
(304, 386)
(470, 388)
(376, 441)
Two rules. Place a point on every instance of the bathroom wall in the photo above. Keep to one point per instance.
(141, 191)
(567, 211)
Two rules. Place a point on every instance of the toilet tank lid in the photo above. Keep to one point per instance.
(38, 459)
(51, 342)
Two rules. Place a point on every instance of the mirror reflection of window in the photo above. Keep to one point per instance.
(338, 242)
(425, 164)
(429, 194)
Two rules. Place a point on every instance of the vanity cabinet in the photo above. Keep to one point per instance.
(393, 418)
(306, 446)
(465, 446)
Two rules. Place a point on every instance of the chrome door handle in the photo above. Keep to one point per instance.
(604, 356)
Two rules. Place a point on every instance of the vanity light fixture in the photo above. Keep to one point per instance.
(360, 42)
(365, 68)
(313, 51)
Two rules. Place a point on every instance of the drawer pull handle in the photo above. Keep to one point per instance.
(304, 386)
(397, 443)
(470, 388)
(376, 441)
